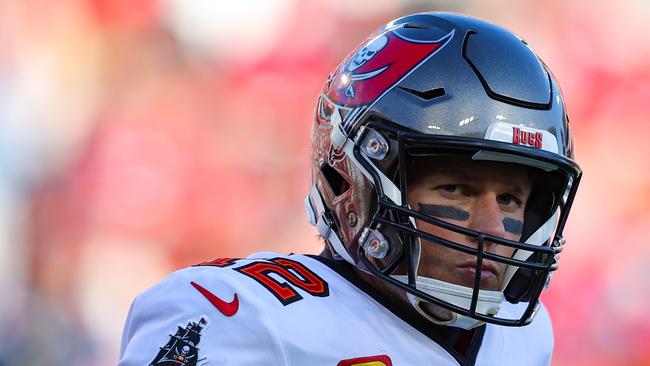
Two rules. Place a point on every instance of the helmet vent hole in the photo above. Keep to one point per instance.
(427, 94)
(336, 181)
(417, 26)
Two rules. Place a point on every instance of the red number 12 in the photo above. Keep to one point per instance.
(294, 273)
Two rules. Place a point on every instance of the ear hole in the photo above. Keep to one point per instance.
(336, 181)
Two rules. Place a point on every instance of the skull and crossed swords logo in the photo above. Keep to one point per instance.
(365, 54)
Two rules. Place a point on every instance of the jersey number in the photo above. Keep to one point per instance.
(219, 262)
(281, 276)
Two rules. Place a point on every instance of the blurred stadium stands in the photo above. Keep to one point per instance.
(137, 138)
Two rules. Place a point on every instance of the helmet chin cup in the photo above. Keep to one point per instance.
(488, 302)
(457, 320)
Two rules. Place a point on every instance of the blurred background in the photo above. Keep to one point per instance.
(141, 137)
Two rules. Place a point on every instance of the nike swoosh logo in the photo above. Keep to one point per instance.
(227, 308)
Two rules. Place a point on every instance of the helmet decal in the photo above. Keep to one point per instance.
(521, 137)
(365, 54)
(377, 66)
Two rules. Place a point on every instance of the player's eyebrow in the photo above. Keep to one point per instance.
(444, 212)
(514, 186)
(461, 174)
(513, 226)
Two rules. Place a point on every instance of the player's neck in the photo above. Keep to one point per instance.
(396, 299)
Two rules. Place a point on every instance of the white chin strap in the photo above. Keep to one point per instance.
(488, 301)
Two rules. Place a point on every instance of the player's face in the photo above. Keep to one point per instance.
(488, 197)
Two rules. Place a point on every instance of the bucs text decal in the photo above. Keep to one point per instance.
(280, 276)
(379, 65)
(520, 137)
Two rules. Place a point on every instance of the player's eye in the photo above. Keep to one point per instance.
(449, 188)
(453, 190)
(507, 199)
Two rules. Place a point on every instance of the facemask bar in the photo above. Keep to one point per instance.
(386, 206)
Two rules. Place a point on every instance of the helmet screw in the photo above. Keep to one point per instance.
(377, 247)
(352, 219)
(374, 245)
(374, 145)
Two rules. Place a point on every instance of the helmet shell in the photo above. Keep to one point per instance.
(436, 74)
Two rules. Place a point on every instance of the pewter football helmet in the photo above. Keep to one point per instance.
(441, 84)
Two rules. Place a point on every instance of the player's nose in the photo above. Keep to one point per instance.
(486, 215)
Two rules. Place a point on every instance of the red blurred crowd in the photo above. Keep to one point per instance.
(137, 138)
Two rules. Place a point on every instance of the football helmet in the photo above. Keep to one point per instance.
(431, 85)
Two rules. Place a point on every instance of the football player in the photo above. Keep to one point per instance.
(443, 176)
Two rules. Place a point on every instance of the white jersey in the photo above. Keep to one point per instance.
(299, 310)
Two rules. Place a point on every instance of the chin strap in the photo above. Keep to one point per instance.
(488, 303)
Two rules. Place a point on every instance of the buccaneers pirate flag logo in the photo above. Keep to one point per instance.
(377, 66)
(182, 348)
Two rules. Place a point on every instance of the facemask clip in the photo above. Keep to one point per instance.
(374, 243)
